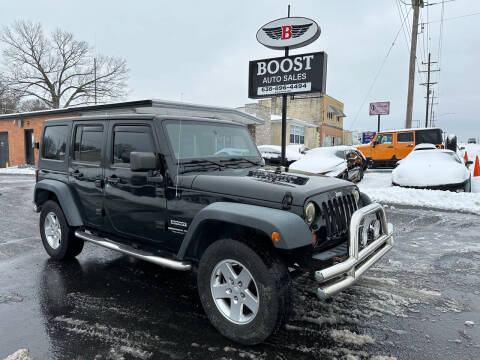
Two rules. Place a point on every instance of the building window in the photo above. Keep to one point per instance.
(330, 115)
(338, 118)
(297, 134)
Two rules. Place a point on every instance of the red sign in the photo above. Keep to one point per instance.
(380, 108)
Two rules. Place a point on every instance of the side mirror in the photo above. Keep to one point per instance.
(143, 161)
(468, 163)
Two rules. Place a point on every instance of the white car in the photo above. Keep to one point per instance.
(433, 169)
(273, 153)
(344, 162)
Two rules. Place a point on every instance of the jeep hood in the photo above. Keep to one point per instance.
(262, 189)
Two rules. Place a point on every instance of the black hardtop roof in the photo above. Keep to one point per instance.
(136, 117)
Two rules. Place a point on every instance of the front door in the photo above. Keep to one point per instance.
(86, 170)
(383, 147)
(135, 207)
(29, 153)
(3, 149)
(404, 144)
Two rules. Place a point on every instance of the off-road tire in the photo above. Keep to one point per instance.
(271, 277)
(70, 246)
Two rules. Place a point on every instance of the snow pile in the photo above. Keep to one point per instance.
(21, 354)
(348, 337)
(378, 185)
(18, 170)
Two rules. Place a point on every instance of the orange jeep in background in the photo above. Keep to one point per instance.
(387, 147)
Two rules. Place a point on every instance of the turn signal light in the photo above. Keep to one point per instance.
(275, 236)
(314, 243)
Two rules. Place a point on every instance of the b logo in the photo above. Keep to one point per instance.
(286, 32)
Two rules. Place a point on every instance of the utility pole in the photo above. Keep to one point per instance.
(284, 116)
(431, 108)
(428, 83)
(413, 55)
(95, 78)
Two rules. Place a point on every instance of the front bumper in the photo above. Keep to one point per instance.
(340, 276)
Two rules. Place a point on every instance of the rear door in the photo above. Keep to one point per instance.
(404, 145)
(86, 170)
(383, 147)
(135, 208)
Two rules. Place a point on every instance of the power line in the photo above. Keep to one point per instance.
(454, 18)
(379, 70)
(440, 44)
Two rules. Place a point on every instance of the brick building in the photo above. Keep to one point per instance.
(19, 132)
(315, 118)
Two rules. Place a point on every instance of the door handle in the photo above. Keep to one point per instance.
(390, 147)
(113, 179)
(76, 174)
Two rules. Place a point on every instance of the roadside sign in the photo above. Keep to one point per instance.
(380, 108)
(367, 136)
(291, 32)
(296, 74)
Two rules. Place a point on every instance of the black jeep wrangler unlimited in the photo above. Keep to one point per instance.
(192, 194)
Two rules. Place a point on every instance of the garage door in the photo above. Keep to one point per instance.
(3, 149)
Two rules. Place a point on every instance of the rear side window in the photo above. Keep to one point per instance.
(130, 138)
(55, 142)
(88, 143)
(405, 137)
(433, 136)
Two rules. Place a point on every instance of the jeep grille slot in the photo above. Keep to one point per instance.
(337, 214)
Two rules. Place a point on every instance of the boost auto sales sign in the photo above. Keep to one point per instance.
(296, 74)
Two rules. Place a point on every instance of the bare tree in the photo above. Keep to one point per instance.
(9, 100)
(59, 70)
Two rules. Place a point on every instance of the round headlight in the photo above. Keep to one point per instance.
(310, 213)
(356, 195)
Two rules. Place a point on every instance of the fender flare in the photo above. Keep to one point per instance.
(293, 230)
(65, 198)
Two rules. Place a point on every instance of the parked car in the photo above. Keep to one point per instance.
(438, 169)
(159, 188)
(472, 141)
(387, 147)
(272, 154)
(343, 162)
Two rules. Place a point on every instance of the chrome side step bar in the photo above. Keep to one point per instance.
(128, 250)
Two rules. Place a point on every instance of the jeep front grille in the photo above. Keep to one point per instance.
(337, 214)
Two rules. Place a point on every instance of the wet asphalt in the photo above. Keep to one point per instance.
(412, 305)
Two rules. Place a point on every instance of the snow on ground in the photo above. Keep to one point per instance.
(378, 185)
(18, 170)
(21, 354)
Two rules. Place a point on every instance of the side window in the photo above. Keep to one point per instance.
(88, 143)
(130, 138)
(55, 142)
(405, 137)
(384, 139)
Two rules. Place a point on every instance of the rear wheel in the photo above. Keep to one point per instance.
(57, 237)
(244, 289)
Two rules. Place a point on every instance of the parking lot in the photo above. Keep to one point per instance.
(422, 301)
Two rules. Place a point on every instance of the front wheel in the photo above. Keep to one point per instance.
(58, 237)
(245, 290)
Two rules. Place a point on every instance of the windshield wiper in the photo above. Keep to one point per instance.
(239, 159)
(197, 165)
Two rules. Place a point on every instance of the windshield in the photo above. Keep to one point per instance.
(435, 155)
(193, 140)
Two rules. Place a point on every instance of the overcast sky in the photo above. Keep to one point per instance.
(198, 51)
